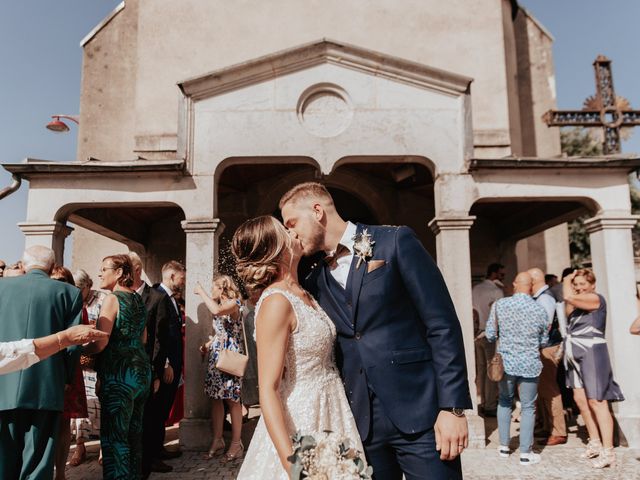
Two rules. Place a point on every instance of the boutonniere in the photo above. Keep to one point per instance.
(363, 246)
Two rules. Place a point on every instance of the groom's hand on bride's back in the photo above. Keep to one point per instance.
(452, 435)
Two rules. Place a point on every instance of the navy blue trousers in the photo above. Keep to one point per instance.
(392, 453)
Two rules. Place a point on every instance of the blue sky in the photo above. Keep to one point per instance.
(41, 58)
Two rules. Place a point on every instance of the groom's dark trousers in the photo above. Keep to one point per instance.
(400, 352)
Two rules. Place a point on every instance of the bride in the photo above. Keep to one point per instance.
(300, 389)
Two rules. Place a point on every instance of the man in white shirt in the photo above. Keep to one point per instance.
(483, 295)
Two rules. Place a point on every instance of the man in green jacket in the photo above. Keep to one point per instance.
(31, 400)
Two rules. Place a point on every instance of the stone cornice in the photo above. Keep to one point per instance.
(439, 224)
(621, 161)
(49, 228)
(32, 167)
(324, 51)
(611, 222)
(202, 225)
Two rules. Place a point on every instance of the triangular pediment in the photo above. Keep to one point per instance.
(325, 51)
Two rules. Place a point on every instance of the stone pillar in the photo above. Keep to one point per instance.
(454, 261)
(51, 234)
(201, 253)
(612, 257)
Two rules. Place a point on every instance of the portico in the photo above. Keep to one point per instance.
(392, 136)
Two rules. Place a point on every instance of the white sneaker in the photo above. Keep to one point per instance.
(503, 451)
(530, 458)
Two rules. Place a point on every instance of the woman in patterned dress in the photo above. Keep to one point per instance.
(587, 363)
(123, 370)
(75, 400)
(227, 310)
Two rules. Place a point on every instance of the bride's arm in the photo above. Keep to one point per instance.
(273, 326)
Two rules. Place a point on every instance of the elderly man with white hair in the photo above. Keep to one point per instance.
(31, 401)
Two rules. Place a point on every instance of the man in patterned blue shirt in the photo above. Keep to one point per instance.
(520, 324)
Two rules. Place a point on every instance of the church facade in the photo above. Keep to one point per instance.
(197, 115)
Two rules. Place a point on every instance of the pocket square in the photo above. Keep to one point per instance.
(375, 264)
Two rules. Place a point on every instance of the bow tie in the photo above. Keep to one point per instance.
(332, 258)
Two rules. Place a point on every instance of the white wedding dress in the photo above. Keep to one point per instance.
(311, 390)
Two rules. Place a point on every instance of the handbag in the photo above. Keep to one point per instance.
(231, 362)
(495, 369)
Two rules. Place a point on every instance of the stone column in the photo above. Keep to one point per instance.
(612, 257)
(201, 253)
(454, 261)
(51, 234)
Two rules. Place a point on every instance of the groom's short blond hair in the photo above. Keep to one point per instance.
(306, 190)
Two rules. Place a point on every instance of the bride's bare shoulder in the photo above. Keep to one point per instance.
(275, 309)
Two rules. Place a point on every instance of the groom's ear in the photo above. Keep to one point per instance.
(318, 211)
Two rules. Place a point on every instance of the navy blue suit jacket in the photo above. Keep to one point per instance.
(173, 336)
(400, 336)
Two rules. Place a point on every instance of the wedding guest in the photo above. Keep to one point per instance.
(14, 270)
(75, 400)
(520, 325)
(226, 307)
(250, 380)
(551, 411)
(89, 426)
(158, 307)
(31, 401)
(588, 366)
(123, 370)
(173, 280)
(483, 295)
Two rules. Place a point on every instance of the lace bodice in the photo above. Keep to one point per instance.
(310, 352)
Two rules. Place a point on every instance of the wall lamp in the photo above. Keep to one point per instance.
(58, 126)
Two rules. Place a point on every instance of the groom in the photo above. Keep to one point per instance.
(400, 349)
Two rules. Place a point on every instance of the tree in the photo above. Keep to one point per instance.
(579, 142)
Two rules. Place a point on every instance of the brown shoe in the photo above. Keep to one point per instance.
(554, 440)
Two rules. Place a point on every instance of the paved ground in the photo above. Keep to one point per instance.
(559, 462)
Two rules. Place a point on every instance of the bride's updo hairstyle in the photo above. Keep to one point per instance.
(258, 246)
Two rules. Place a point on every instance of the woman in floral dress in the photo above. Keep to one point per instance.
(226, 307)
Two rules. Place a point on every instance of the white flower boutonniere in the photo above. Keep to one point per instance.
(363, 246)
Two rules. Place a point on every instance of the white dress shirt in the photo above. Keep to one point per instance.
(340, 269)
(547, 302)
(17, 355)
(170, 293)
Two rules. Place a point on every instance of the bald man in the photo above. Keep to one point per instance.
(520, 324)
(550, 399)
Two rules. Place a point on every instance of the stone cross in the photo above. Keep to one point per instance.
(602, 110)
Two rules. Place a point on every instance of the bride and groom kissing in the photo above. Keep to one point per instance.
(368, 345)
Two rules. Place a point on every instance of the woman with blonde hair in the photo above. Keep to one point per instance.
(587, 364)
(226, 307)
(300, 388)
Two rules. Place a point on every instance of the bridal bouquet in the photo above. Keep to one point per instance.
(326, 456)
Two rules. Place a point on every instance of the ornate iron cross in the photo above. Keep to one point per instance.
(602, 110)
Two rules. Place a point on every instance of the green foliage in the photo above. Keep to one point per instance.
(579, 142)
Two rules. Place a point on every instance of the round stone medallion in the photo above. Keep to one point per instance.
(324, 110)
